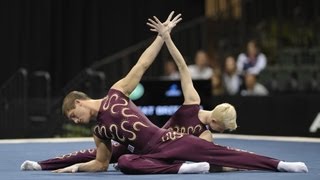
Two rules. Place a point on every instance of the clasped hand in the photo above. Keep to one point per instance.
(164, 28)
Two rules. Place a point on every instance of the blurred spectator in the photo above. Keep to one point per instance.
(293, 82)
(253, 61)
(170, 71)
(231, 79)
(217, 84)
(201, 68)
(252, 87)
(315, 82)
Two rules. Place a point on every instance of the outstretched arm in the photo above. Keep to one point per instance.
(101, 163)
(129, 83)
(190, 94)
(131, 80)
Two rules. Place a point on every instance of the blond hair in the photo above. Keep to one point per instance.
(69, 101)
(226, 114)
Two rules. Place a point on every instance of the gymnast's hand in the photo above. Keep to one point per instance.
(165, 28)
(70, 169)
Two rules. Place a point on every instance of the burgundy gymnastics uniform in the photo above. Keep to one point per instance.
(81, 157)
(184, 120)
(156, 149)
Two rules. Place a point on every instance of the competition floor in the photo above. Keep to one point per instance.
(14, 152)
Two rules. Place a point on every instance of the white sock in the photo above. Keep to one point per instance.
(292, 167)
(200, 167)
(30, 166)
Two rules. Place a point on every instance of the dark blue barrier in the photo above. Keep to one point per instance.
(283, 115)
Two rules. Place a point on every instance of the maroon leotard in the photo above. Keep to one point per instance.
(121, 120)
(185, 119)
(81, 157)
(156, 149)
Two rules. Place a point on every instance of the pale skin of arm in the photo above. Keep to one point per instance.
(131, 80)
(101, 163)
(190, 94)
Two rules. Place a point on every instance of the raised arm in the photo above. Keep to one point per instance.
(190, 94)
(131, 80)
(101, 163)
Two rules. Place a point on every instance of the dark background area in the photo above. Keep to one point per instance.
(62, 37)
(87, 45)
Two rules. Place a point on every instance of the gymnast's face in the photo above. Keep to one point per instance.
(80, 114)
(217, 126)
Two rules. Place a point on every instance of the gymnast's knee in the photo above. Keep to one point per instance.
(125, 164)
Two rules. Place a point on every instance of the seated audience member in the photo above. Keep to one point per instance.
(252, 87)
(253, 61)
(170, 71)
(201, 68)
(231, 79)
(217, 84)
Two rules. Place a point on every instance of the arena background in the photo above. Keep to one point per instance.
(49, 47)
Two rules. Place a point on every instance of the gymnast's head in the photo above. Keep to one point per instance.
(223, 117)
(75, 109)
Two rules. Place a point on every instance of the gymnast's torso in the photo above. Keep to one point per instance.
(186, 120)
(121, 120)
